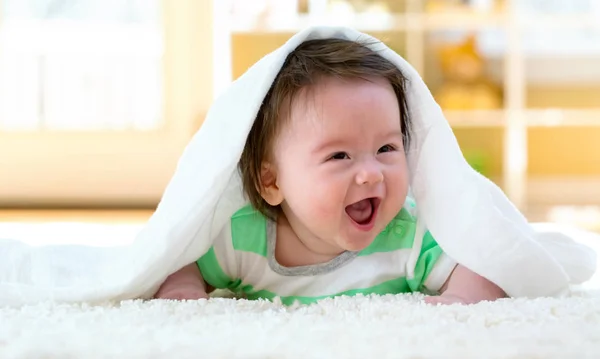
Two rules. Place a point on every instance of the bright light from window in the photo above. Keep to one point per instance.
(80, 65)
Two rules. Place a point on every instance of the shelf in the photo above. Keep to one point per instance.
(560, 22)
(365, 22)
(459, 21)
(475, 118)
(295, 23)
(371, 22)
(532, 117)
(563, 190)
(563, 118)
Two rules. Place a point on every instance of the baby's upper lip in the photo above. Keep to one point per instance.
(376, 200)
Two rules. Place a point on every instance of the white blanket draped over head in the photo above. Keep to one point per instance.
(470, 217)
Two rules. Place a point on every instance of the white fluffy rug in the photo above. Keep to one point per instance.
(361, 327)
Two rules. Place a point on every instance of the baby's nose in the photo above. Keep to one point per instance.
(369, 174)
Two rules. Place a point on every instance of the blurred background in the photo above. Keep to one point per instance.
(98, 98)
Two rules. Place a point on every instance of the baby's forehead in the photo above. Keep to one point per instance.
(308, 112)
(330, 96)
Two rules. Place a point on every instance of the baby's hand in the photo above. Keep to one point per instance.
(182, 292)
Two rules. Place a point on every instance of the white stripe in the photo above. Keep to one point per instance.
(439, 274)
(416, 249)
(223, 247)
(361, 272)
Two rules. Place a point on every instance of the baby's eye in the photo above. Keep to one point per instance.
(339, 156)
(386, 148)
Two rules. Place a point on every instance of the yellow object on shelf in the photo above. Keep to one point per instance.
(465, 85)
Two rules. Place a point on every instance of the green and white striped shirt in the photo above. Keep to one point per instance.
(403, 258)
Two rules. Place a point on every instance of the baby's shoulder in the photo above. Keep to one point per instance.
(247, 222)
(247, 216)
(246, 213)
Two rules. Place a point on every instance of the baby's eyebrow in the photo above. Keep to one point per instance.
(394, 133)
(327, 144)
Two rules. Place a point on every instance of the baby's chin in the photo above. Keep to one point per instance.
(357, 240)
(357, 244)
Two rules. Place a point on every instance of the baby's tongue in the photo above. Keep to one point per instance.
(360, 211)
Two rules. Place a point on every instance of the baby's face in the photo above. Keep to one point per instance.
(340, 162)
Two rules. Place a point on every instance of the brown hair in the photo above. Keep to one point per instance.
(303, 67)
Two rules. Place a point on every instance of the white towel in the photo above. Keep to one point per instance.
(469, 216)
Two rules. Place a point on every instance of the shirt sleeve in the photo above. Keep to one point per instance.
(219, 266)
(432, 268)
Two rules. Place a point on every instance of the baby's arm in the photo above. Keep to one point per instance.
(466, 287)
(186, 283)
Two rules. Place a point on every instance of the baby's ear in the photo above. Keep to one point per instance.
(270, 192)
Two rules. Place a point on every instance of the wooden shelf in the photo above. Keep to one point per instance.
(475, 118)
(559, 22)
(374, 22)
(412, 22)
(563, 190)
(532, 118)
(459, 21)
(563, 118)
(295, 23)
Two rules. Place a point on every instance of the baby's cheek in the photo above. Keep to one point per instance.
(327, 201)
(319, 194)
(396, 190)
(304, 196)
(397, 180)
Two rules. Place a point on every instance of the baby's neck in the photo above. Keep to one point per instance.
(295, 249)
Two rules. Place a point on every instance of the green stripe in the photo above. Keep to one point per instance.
(393, 286)
(430, 253)
(399, 234)
(249, 231)
(212, 272)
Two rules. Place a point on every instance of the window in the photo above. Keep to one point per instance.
(80, 65)
(98, 98)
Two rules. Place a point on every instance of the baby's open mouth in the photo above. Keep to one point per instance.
(363, 212)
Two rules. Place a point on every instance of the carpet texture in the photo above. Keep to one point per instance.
(400, 326)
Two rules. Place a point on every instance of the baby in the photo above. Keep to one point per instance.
(324, 168)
